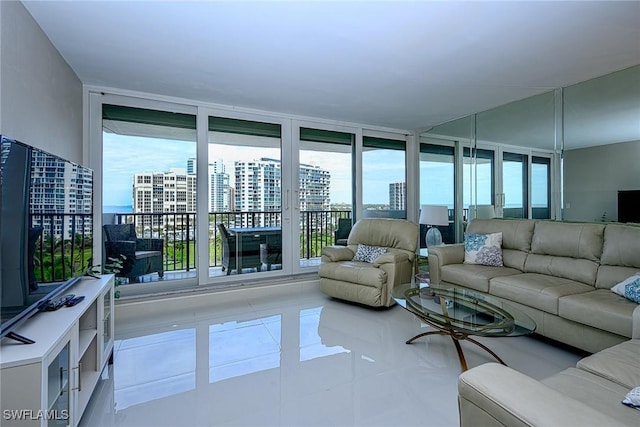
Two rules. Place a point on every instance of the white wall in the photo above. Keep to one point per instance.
(40, 95)
(593, 176)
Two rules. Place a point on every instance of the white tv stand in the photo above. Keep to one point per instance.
(50, 382)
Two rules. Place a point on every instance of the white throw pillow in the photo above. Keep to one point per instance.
(485, 249)
(368, 253)
(629, 288)
(633, 398)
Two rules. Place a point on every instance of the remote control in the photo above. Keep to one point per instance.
(74, 301)
(54, 305)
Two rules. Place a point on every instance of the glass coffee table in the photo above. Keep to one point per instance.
(461, 313)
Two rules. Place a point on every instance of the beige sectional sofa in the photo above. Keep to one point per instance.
(588, 395)
(558, 273)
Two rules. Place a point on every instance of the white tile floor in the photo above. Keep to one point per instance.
(302, 360)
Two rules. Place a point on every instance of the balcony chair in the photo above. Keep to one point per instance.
(271, 250)
(370, 281)
(249, 256)
(142, 256)
(342, 232)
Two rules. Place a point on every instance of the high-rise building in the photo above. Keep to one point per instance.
(258, 188)
(398, 196)
(314, 188)
(60, 190)
(156, 192)
(219, 191)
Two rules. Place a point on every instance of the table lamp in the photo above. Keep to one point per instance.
(481, 212)
(433, 215)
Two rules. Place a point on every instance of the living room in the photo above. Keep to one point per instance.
(549, 116)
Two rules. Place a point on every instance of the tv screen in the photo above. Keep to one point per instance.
(46, 229)
(629, 206)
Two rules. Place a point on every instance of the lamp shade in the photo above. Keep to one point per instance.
(482, 212)
(434, 215)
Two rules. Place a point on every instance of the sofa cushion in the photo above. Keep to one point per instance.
(621, 246)
(484, 249)
(536, 290)
(358, 272)
(579, 240)
(610, 275)
(580, 270)
(599, 393)
(473, 276)
(601, 309)
(516, 233)
(620, 363)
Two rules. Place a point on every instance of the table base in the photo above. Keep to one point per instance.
(457, 337)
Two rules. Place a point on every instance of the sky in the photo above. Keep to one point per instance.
(125, 155)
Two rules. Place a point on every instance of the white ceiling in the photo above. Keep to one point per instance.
(403, 65)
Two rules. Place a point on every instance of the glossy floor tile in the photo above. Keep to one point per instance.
(301, 360)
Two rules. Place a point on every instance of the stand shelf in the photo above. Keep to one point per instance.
(51, 381)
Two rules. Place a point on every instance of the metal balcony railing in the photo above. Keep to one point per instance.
(60, 246)
(178, 231)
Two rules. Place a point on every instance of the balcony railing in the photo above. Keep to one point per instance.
(60, 246)
(178, 231)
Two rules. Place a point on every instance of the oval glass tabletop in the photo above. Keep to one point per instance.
(463, 311)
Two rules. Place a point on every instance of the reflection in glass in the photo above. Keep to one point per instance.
(479, 185)
(540, 187)
(601, 144)
(437, 185)
(514, 179)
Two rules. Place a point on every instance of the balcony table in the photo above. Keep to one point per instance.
(256, 231)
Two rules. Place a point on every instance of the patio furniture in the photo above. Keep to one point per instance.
(239, 254)
(142, 256)
(271, 249)
(342, 232)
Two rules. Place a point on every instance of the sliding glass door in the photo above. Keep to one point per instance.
(245, 194)
(324, 190)
(384, 178)
(148, 194)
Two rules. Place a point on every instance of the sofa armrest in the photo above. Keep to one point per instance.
(444, 255)
(336, 253)
(635, 323)
(495, 395)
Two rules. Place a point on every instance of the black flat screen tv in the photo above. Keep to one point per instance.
(629, 206)
(46, 230)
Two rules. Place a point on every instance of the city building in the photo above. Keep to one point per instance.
(156, 192)
(398, 196)
(219, 190)
(60, 196)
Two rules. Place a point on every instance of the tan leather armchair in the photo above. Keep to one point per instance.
(370, 283)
